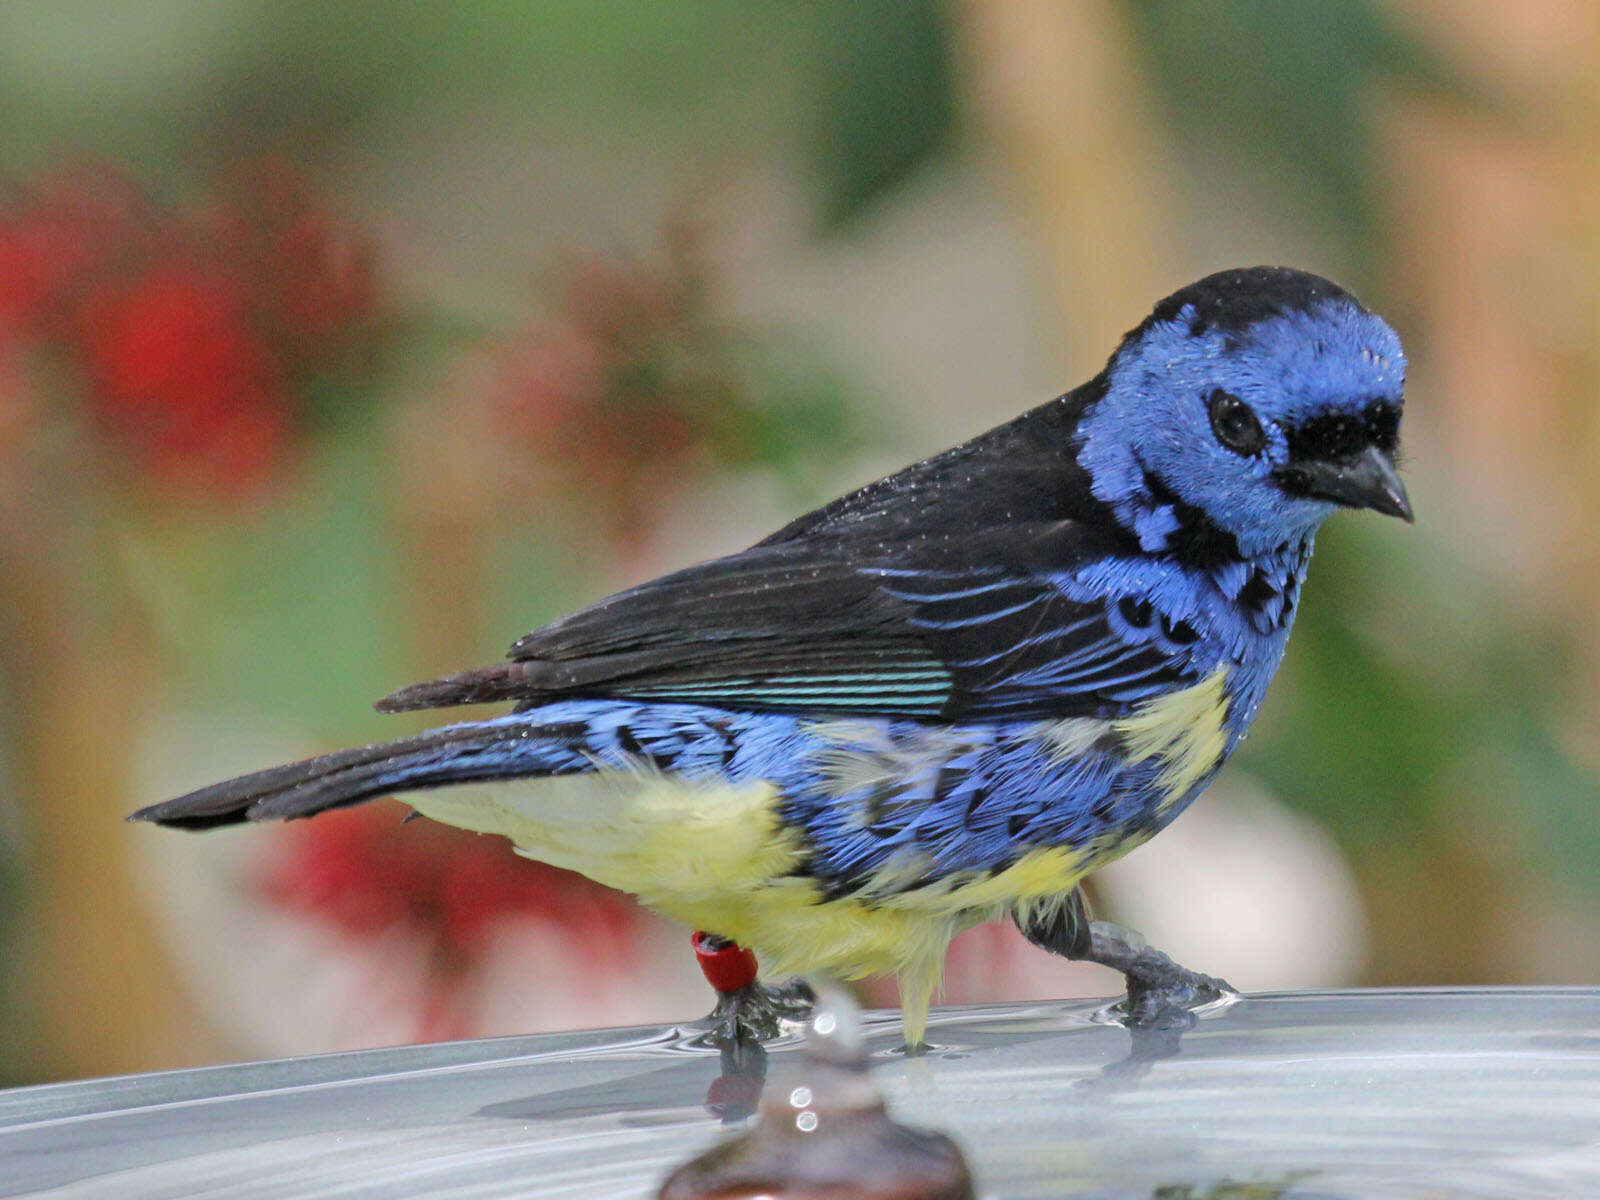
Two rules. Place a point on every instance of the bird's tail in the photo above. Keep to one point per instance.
(503, 748)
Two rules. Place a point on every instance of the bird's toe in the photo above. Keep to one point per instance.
(1160, 992)
(756, 1013)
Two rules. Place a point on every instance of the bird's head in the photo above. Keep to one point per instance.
(1264, 398)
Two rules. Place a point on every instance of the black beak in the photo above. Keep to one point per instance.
(1367, 481)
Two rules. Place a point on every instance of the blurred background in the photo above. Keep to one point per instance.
(341, 343)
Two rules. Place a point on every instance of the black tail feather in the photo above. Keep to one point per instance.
(485, 685)
(455, 754)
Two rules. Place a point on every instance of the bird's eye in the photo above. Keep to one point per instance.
(1234, 424)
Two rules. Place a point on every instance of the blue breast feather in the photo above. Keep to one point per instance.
(957, 798)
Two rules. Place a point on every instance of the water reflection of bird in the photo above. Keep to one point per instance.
(943, 698)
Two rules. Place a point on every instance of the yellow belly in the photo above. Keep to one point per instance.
(716, 857)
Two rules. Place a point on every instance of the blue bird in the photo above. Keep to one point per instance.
(944, 698)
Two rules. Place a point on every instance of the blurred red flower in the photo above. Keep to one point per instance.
(312, 279)
(178, 374)
(62, 235)
(199, 331)
(636, 385)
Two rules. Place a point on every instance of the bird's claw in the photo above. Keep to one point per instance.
(756, 1012)
(1161, 994)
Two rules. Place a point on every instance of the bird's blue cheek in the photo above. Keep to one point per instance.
(1154, 526)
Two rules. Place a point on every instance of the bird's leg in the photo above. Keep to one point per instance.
(747, 1010)
(1157, 986)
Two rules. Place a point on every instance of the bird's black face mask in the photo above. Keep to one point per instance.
(1349, 461)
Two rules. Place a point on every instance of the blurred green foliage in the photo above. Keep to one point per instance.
(871, 84)
(298, 598)
(1290, 87)
(886, 102)
(722, 72)
(1287, 87)
(1408, 702)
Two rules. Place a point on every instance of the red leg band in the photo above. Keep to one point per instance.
(727, 969)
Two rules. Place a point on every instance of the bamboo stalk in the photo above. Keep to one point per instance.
(99, 995)
(1068, 115)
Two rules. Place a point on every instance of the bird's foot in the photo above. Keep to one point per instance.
(756, 1012)
(747, 1010)
(1161, 994)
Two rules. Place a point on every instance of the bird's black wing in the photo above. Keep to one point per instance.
(926, 594)
(946, 629)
